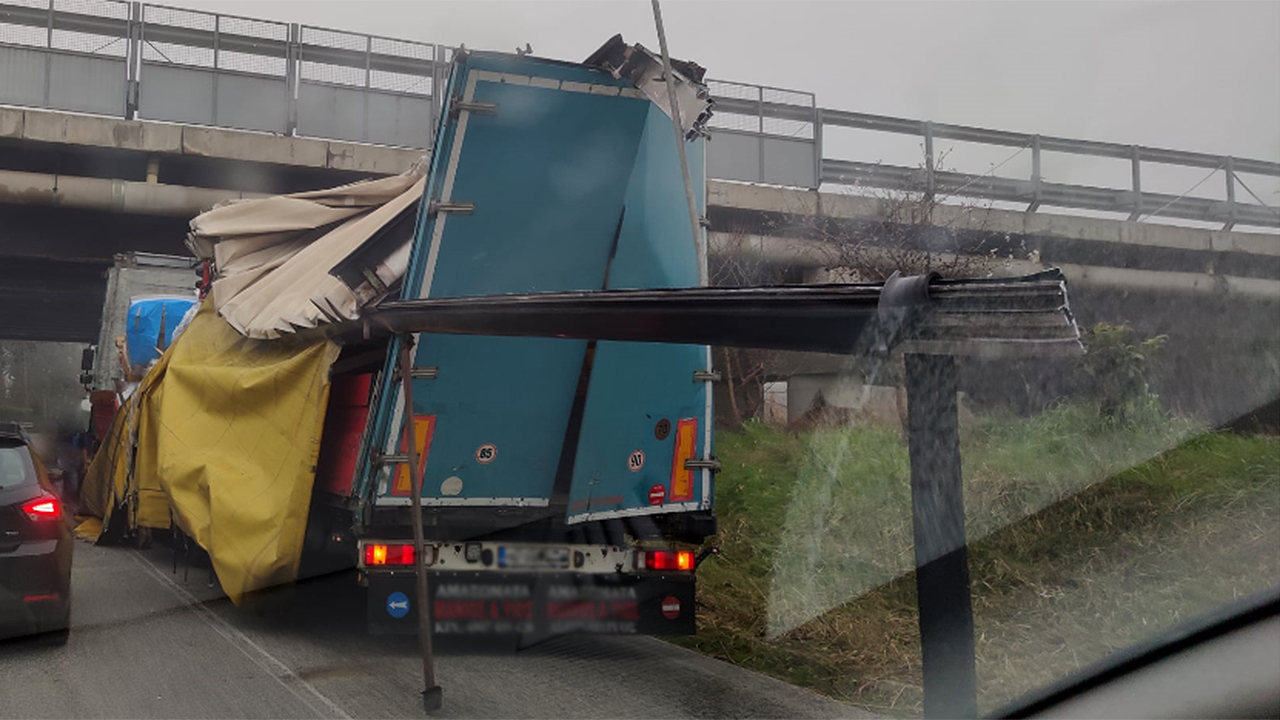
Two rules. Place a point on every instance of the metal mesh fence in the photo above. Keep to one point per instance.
(37, 4)
(83, 42)
(316, 40)
(323, 37)
(115, 9)
(252, 63)
(23, 35)
(89, 43)
(789, 128)
(169, 53)
(400, 82)
(337, 74)
(175, 17)
(208, 49)
(725, 120)
(757, 121)
(266, 30)
(402, 48)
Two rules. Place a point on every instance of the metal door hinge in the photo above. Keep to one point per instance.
(713, 464)
(429, 372)
(380, 459)
(706, 376)
(436, 207)
(457, 105)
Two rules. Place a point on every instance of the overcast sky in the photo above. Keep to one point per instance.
(1201, 76)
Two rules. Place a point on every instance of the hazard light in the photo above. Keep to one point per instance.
(678, 560)
(376, 554)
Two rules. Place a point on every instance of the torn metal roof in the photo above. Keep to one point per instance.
(1018, 316)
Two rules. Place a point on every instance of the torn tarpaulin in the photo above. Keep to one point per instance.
(274, 255)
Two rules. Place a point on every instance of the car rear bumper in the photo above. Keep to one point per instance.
(35, 588)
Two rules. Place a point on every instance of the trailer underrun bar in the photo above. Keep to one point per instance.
(928, 319)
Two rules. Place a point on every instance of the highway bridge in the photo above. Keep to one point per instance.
(119, 121)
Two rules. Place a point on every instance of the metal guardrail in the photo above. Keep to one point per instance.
(1033, 191)
(150, 61)
(141, 60)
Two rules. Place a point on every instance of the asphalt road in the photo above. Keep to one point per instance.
(149, 643)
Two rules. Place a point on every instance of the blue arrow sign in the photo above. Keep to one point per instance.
(397, 605)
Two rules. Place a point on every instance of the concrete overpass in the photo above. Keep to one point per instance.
(113, 146)
(76, 189)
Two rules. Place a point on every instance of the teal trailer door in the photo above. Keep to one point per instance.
(546, 177)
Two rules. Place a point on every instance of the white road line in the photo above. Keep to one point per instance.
(269, 663)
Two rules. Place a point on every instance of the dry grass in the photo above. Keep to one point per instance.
(1083, 540)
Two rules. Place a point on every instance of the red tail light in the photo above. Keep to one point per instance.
(45, 507)
(378, 554)
(678, 560)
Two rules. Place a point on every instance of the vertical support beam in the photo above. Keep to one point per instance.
(439, 78)
(133, 62)
(48, 56)
(817, 148)
(217, 29)
(292, 71)
(942, 562)
(1136, 159)
(930, 182)
(432, 695)
(1037, 188)
(760, 131)
(368, 76)
(1230, 167)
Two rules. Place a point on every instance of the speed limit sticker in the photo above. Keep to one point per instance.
(486, 453)
(635, 461)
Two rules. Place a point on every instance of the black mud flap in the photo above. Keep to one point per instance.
(535, 605)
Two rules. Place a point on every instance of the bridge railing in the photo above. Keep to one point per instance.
(148, 61)
(1033, 191)
(151, 61)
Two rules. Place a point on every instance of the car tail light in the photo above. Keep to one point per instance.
(678, 560)
(379, 554)
(43, 508)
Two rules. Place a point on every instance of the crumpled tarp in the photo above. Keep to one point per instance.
(224, 433)
(273, 255)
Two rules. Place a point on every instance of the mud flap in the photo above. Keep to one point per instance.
(535, 605)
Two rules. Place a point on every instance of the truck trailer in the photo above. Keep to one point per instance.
(566, 484)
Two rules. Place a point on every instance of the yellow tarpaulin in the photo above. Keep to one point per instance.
(227, 433)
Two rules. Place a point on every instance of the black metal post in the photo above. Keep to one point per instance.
(432, 695)
(937, 513)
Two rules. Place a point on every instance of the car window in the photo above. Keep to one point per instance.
(16, 467)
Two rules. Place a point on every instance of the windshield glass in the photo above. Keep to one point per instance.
(702, 359)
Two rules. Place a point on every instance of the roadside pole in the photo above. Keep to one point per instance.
(432, 695)
(942, 560)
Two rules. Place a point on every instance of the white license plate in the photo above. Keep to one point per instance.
(533, 558)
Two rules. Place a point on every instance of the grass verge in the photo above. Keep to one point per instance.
(1083, 539)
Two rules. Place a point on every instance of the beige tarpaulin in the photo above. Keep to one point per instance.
(274, 255)
(227, 432)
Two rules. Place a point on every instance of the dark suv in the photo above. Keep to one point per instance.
(35, 545)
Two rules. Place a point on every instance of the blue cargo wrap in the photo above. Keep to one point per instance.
(150, 325)
(576, 185)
